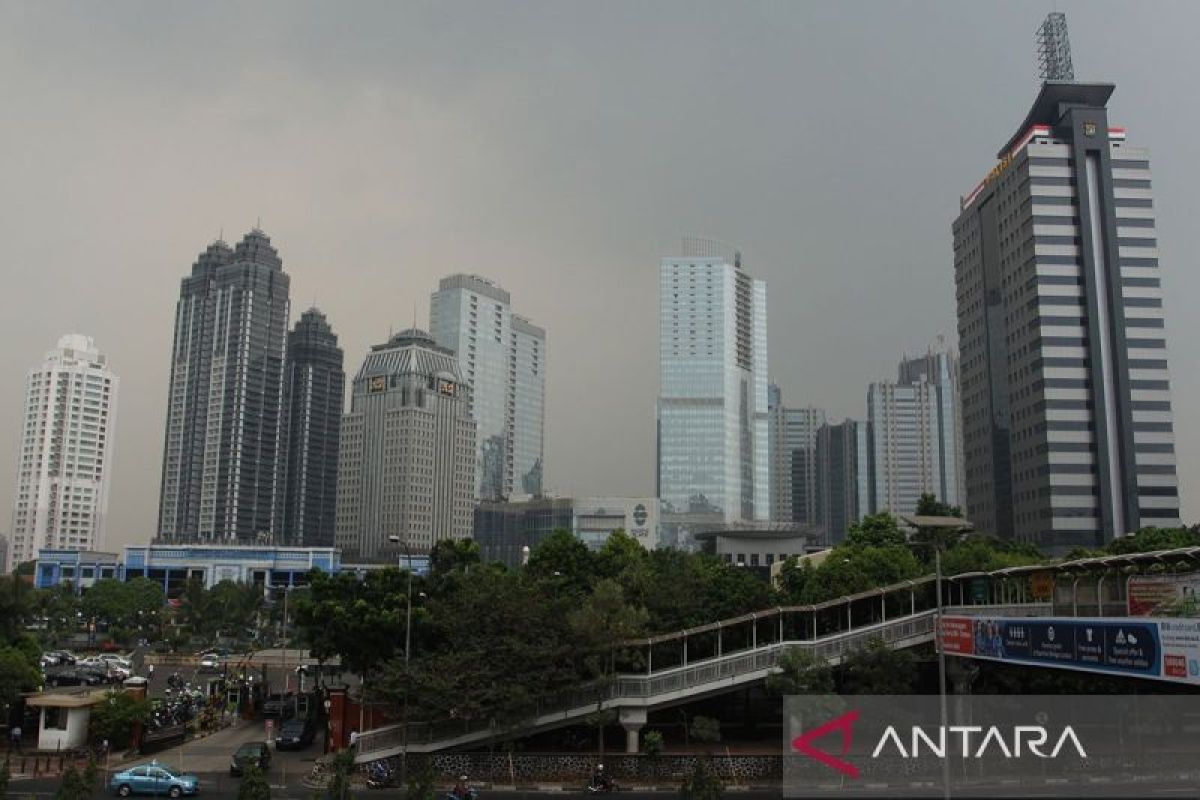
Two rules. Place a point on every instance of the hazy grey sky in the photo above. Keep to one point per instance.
(560, 148)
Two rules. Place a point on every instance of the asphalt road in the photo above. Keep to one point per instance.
(222, 786)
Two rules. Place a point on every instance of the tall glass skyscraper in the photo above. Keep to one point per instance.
(712, 406)
(65, 465)
(503, 360)
(527, 405)
(222, 477)
(1067, 416)
(316, 385)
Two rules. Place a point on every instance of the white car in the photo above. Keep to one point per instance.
(210, 662)
(118, 668)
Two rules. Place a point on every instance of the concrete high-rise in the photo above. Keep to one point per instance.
(315, 388)
(503, 360)
(914, 435)
(792, 436)
(222, 473)
(407, 462)
(939, 368)
(843, 477)
(1067, 418)
(712, 406)
(65, 463)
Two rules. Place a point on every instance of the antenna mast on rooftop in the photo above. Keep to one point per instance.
(1054, 49)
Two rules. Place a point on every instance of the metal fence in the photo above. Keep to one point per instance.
(646, 690)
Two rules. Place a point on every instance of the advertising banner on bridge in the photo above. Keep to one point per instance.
(1164, 595)
(1121, 645)
(1181, 649)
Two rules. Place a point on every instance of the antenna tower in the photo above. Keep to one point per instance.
(1054, 49)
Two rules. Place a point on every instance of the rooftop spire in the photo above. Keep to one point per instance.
(1054, 49)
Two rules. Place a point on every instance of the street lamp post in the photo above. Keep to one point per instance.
(940, 525)
(394, 539)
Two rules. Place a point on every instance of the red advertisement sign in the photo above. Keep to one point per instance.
(956, 635)
(1164, 595)
(1175, 666)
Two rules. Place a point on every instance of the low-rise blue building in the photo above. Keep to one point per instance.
(173, 565)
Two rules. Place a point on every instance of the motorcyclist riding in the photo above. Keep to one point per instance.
(461, 790)
(600, 780)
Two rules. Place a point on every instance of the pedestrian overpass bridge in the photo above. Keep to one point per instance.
(729, 654)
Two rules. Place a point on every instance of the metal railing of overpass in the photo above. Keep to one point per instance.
(1094, 586)
(698, 661)
(689, 663)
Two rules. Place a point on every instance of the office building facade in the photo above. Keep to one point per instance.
(712, 407)
(843, 477)
(503, 360)
(939, 369)
(905, 444)
(222, 473)
(527, 406)
(64, 467)
(407, 459)
(316, 385)
(792, 434)
(1067, 418)
(504, 528)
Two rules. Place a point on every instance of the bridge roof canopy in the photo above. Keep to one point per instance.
(1090, 563)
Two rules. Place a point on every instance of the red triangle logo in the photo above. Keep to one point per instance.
(843, 724)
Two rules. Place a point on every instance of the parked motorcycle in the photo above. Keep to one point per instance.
(380, 775)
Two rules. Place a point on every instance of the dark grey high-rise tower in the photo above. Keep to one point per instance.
(222, 465)
(1067, 421)
(315, 386)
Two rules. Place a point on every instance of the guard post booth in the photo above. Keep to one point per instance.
(63, 716)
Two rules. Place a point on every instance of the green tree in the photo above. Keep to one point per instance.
(362, 621)
(1148, 539)
(929, 506)
(421, 780)
(705, 729)
(254, 784)
(801, 672)
(488, 650)
(852, 569)
(341, 772)
(127, 606)
(703, 783)
(562, 555)
(230, 608)
(875, 530)
(978, 553)
(652, 748)
(19, 672)
(16, 609)
(74, 785)
(878, 669)
(604, 621)
(114, 719)
(59, 606)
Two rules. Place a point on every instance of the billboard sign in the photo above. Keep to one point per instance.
(1163, 595)
(1119, 645)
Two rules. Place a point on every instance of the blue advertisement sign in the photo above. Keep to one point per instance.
(1122, 646)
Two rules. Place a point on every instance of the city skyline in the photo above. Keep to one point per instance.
(566, 228)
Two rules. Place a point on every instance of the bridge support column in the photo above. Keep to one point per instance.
(632, 720)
